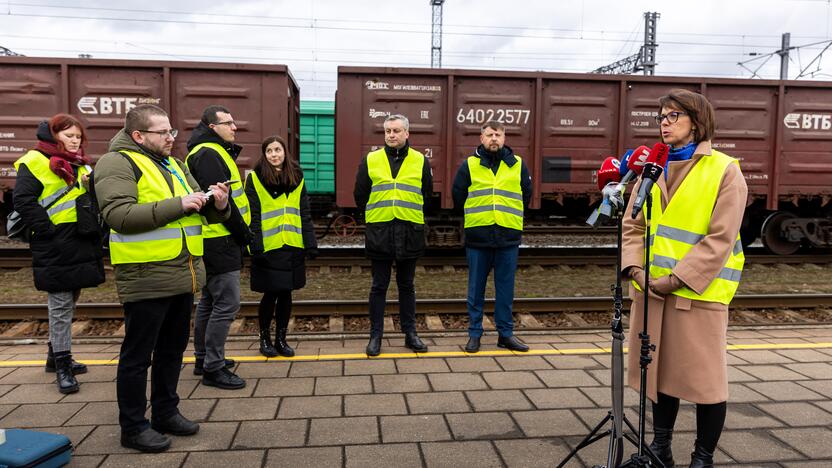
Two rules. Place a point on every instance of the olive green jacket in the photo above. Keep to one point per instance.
(116, 191)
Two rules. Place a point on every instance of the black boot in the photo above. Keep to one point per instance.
(701, 457)
(661, 445)
(63, 373)
(374, 346)
(412, 341)
(266, 346)
(77, 367)
(281, 346)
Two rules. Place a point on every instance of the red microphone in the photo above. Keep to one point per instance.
(635, 163)
(609, 172)
(652, 171)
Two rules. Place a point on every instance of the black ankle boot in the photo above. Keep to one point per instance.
(281, 346)
(63, 373)
(266, 346)
(661, 445)
(701, 457)
(77, 367)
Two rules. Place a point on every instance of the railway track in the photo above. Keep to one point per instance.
(11, 258)
(434, 314)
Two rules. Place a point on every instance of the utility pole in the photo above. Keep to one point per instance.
(784, 56)
(645, 59)
(436, 34)
(648, 61)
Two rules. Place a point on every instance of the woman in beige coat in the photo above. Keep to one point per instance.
(689, 333)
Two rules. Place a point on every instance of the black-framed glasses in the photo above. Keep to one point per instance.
(163, 133)
(227, 122)
(671, 117)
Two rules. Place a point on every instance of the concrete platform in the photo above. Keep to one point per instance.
(332, 406)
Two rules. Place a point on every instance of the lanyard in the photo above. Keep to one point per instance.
(166, 164)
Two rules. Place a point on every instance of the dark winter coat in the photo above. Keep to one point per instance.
(396, 239)
(62, 260)
(284, 268)
(222, 254)
(493, 236)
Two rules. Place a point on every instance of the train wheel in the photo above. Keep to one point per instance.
(772, 236)
(344, 225)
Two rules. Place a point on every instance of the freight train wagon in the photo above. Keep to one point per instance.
(264, 100)
(563, 125)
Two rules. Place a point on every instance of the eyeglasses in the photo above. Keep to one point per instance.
(227, 122)
(163, 133)
(672, 117)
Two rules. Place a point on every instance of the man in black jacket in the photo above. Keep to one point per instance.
(493, 192)
(211, 160)
(391, 187)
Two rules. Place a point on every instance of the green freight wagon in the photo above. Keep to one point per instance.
(317, 146)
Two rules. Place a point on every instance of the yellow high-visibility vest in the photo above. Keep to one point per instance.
(163, 243)
(236, 191)
(54, 188)
(494, 198)
(399, 197)
(280, 221)
(685, 221)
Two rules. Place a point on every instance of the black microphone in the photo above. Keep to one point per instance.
(652, 171)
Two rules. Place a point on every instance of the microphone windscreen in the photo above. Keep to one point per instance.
(636, 161)
(659, 154)
(609, 172)
(622, 169)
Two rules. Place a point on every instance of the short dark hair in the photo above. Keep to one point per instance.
(138, 118)
(209, 115)
(494, 125)
(698, 108)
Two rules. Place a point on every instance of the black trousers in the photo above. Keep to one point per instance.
(156, 333)
(275, 305)
(405, 271)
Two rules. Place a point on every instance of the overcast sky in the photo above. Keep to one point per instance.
(312, 37)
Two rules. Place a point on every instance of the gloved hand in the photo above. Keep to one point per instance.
(637, 274)
(312, 254)
(665, 285)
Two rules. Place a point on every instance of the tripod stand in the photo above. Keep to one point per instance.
(616, 416)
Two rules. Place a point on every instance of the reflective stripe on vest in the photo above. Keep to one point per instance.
(163, 243)
(494, 198)
(280, 222)
(685, 222)
(237, 192)
(399, 198)
(63, 210)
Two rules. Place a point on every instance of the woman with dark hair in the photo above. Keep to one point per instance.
(283, 235)
(696, 261)
(50, 179)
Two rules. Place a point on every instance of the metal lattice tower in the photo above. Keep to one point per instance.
(4, 52)
(643, 60)
(436, 34)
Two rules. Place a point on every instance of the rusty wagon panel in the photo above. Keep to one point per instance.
(264, 100)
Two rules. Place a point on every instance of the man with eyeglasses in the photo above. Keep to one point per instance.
(155, 211)
(211, 159)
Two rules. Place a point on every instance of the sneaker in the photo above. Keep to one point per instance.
(224, 379)
(199, 370)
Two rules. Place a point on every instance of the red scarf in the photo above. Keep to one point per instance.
(61, 162)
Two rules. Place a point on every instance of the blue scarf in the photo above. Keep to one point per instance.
(679, 154)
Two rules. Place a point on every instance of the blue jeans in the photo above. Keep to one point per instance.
(480, 263)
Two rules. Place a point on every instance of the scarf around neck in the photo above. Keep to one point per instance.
(62, 162)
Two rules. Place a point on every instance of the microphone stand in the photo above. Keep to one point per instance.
(645, 457)
(615, 450)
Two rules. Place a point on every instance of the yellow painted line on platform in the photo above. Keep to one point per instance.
(437, 354)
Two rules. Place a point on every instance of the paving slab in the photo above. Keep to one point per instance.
(343, 385)
(416, 428)
(473, 364)
(573, 362)
(498, 400)
(514, 363)
(823, 387)
(457, 381)
(141, 460)
(243, 409)
(437, 403)
(387, 455)
(324, 457)
(813, 370)
(310, 407)
(256, 370)
(748, 416)
(240, 458)
(400, 383)
(374, 405)
(549, 423)
(285, 387)
(457, 454)
(374, 367)
(570, 377)
(421, 366)
(756, 446)
(30, 394)
(797, 413)
(512, 379)
(532, 453)
(488, 426)
(269, 434)
(344, 431)
(316, 369)
(549, 398)
(40, 415)
(785, 391)
(814, 443)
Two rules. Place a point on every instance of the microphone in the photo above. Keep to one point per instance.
(633, 163)
(609, 172)
(652, 171)
(608, 177)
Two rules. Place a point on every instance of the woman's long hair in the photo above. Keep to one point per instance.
(61, 122)
(289, 174)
